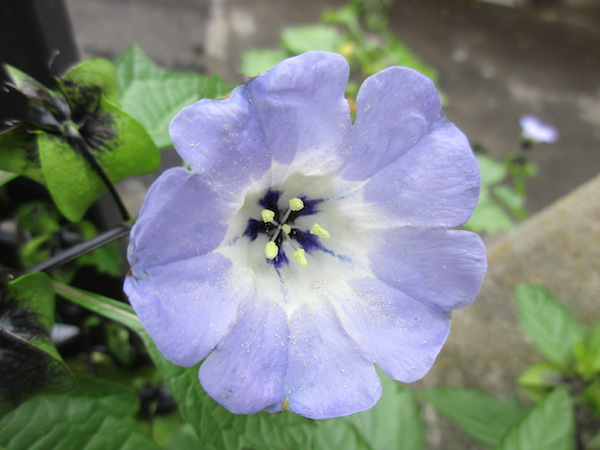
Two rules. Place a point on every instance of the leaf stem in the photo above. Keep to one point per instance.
(81, 249)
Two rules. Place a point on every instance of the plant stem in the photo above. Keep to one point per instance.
(81, 249)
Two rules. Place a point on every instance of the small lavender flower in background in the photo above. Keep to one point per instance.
(302, 249)
(535, 131)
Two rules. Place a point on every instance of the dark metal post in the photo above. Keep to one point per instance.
(32, 32)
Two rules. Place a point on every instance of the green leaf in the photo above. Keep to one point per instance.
(19, 153)
(39, 218)
(117, 343)
(397, 53)
(36, 92)
(345, 15)
(106, 259)
(549, 425)
(40, 221)
(311, 37)
(118, 143)
(29, 363)
(184, 439)
(539, 379)
(509, 197)
(492, 171)
(6, 177)
(78, 133)
(587, 354)
(496, 201)
(84, 85)
(482, 416)
(257, 61)
(549, 323)
(591, 397)
(489, 217)
(393, 422)
(154, 95)
(36, 250)
(96, 414)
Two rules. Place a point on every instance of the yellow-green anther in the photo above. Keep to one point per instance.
(296, 204)
(267, 215)
(286, 228)
(320, 231)
(271, 250)
(300, 256)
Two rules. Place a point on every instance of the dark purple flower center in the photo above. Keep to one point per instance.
(281, 226)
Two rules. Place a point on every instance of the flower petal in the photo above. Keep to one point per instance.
(301, 107)
(245, 372)
(401, 335)
(420, 168)
(435, 183)
(187, 306)
(327, 374)
(296, 110)
(222, 142)
(181, 217)
(536, 130)
(441, 268)
(395, 109)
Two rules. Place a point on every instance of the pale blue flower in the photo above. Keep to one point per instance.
(303, 249)
(533, 129)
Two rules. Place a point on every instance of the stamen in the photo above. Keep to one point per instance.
(320, 231)
(300, 256)
(267, 215)
(296, 204)
(271, 250)
(279, 231)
